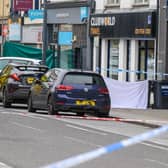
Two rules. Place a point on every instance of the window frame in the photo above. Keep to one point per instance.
(115, 2)
(141, 2)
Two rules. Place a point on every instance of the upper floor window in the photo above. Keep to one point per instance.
(141, 1)
(113, 2)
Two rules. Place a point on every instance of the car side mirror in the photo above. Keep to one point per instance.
(44, 78)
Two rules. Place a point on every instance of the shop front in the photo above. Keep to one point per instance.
(124, 45)
(68, 34)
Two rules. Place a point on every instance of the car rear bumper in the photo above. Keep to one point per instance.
(100, 106)
(18, 93)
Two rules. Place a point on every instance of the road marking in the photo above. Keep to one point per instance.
(155, 146)
(93, 154)
(26, 115)
(81, 141)
(157, 162)
(83, 129)
(34, 116)
(25, 126)
(3, 165)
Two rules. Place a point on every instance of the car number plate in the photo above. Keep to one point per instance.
(30, 80)
(85, 102)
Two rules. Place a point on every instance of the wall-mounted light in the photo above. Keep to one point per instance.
(74, 39)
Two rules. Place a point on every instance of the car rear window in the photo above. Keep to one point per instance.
(3, 63)
(87, 79)
(23, 62)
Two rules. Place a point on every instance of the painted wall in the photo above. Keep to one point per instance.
(4, 8)
(100, 6)
(128, 4)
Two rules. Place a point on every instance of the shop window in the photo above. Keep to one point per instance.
(66, 57)
(65, 27)
(128, 64)
(113, 2)
(141, 2)
(64, 50)
(113, 58)
(150, 64)
(146, 60)
(0, 30)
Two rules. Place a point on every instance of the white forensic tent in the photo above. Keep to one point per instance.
(128, 94)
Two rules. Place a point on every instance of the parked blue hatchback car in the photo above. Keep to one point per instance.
(70, 91)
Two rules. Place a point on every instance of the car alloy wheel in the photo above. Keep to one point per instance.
(80, 114)
(5, 99)
(30, 105)
(102, 114)
(51, 110)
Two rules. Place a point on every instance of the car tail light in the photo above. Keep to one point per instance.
(15, 77)
(64, 87)
(60, 102)
(103, 91)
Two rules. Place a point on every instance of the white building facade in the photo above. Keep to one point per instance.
(125, 39)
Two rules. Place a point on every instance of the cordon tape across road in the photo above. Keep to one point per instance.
(84, 157)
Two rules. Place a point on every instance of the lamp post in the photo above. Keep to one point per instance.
(2, 27)
(44, 46)
(161, 39)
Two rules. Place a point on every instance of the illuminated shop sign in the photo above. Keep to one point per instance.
(103, 21)
(35, 14)
(143, 31)
(95, 31)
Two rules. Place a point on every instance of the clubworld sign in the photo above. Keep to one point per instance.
(124, 25)
(103, 21)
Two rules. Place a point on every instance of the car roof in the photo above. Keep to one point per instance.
(21, 58)
(20, 65)
(75, 70)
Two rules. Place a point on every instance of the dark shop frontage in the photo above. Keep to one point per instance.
(125, 44)
(68, 33)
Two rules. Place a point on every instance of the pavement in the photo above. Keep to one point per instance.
(151, 117)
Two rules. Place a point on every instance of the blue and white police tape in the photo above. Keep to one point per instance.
(130, 71)
(84, 157)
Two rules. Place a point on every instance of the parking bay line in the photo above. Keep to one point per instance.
(157, 146)
(26, 114)
(25, 126)
(93, 154)
(144, 143)
(84, 129)
(157, 162)
(81, 141)
(3, 165)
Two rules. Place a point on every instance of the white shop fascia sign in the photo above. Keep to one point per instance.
(32, 34)
(34, 17)
(28, 21)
